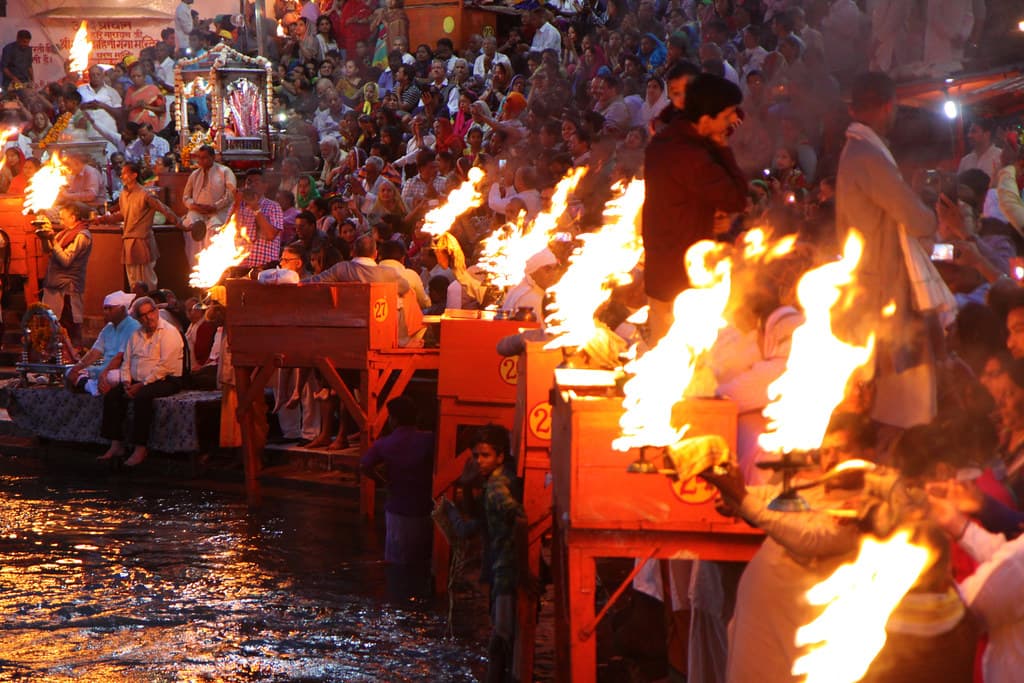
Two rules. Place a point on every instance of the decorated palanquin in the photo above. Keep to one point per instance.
(237, 89)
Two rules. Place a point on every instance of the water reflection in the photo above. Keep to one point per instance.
(110, 581)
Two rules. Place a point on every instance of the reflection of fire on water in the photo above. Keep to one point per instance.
(605, 260)
(45, 185)
(819, 365)
(460, 200)
(663, 375)
(223, 253)
(81, 48)
(858, 599)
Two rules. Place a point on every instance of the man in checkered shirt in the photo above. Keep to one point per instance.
(426, 185)
(261, 219)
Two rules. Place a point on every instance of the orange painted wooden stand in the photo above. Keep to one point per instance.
(531, 439)
(475, 386)
(326, 327)
(27, 256)
(431, 19)
(603, 511)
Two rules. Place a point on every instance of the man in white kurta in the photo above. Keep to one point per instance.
(945, 35)
(209, 195)
(99, 99)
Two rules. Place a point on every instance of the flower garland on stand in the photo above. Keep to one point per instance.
(56, 129)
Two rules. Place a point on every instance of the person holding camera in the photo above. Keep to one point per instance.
(64, 285)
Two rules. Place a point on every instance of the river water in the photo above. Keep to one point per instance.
(113, 578)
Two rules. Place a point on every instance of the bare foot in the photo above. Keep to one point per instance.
(112, 452)
(138, 455)
(340, 442)
(319, 442)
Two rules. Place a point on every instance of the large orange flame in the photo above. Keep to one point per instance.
(81, 48)
(45, 185)
(504, 253)
(225, 251)
(819, 364)
(858, 599)
(460, 200)
(662, 377)
(605, 260)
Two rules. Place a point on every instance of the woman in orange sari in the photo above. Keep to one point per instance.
(144, 102)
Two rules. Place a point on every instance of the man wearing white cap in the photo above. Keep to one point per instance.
(542, 271)
(102, 102)
(86, 373)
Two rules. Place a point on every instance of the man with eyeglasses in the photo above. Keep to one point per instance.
(151, 367)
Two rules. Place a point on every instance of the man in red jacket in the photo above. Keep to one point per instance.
(691, 174)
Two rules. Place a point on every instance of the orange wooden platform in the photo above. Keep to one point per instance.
(27, 256)
(326, 327)
(475, 386)
(600, 510)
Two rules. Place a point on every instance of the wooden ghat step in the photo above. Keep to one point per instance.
(292, 466)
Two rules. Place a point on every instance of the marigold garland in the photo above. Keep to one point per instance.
(56, 129)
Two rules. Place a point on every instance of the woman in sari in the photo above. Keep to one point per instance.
(653, 52)
(40, 126)
(464, 116)
(143, 101)
(12, 180)
(354, 24)
(305, 191)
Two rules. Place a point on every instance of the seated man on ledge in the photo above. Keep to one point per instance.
(85, 375)
(151, 367)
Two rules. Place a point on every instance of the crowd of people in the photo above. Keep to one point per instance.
(732, 112)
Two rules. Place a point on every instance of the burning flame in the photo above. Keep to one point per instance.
(460, 200)
(45, 185)
(819, 364)
(662, 376)
(281, 33)
(505, 251)
(757, 248)
(604, 261)
(81, 48)
(859, 598)
(224, 252)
